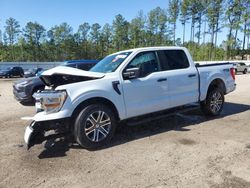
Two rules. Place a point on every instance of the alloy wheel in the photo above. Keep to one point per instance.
(216, 102)
(97, 126)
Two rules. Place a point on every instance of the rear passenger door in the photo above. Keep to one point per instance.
(181, 76)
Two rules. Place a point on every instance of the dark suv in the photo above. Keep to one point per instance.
(12, 71)
(24, 89)
(32, 72)
(81, 64)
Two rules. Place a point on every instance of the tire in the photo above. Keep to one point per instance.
(245, 71)
(94, 126)
(213, 104)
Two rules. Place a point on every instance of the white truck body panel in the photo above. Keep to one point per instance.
(141, 95)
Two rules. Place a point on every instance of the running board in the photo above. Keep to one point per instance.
(161, 114)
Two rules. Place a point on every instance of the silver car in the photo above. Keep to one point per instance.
(241, 67)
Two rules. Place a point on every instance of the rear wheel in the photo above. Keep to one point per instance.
(94, 126)
(214, 102)
(245, 71)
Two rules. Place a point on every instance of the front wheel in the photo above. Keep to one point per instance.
(245, 71)
(94, 126)
(214, 102)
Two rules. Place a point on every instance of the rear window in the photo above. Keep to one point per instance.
(173, 59)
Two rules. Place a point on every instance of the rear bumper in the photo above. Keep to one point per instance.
(37, 132)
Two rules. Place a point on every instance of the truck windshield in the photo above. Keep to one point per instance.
(110, 63)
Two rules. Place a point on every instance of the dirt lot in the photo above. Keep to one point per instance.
(187, 150)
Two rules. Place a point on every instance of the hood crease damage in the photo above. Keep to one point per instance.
(67, 75)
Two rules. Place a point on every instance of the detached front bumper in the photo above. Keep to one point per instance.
(37, 132)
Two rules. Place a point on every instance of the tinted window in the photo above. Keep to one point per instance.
(173, 59)
(146, 62)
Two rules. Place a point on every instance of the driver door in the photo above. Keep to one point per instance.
(148, 92)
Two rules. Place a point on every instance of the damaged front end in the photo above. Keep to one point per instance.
(47, 102)
(37, 132)
(67, 75)
(52, 120)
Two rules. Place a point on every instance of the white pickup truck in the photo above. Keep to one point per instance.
(125, 86)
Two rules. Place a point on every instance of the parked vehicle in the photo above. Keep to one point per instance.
(32, 72)
(40, 72)
(248, 68)
(25, 88)
(127, 86)
(241, 67)
(81, 64)
(11, 71)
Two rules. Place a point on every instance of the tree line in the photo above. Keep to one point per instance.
(204, 18)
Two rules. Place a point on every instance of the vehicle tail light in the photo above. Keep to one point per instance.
(232, 72)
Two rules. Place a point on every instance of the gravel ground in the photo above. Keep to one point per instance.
(187, 150)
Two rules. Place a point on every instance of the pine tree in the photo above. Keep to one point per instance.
(12, 30)
(173, 15)
(184, 17)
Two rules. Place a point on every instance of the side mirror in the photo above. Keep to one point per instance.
(131, 73)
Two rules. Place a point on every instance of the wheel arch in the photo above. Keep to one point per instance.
(96, 100)
(217, 83)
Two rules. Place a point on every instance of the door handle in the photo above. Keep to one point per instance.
(191, 75)
(162, 80)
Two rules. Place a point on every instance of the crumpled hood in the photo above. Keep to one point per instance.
(72, 71)
(62, 75)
